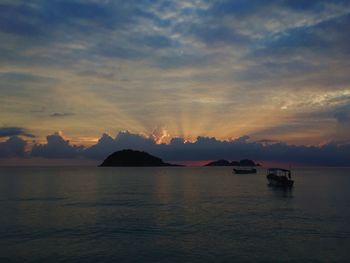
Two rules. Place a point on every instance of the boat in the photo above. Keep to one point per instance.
(279, 177)
(244, 170)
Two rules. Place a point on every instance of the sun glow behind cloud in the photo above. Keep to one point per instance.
(275, 70)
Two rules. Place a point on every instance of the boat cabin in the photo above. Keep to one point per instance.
(279, 172)
(279, 177)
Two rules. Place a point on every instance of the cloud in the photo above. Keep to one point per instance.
(343, 116)
(204, 148)
(234, 63)
(14, 131)
(336, 106)
(97, 74)
(13, 147)
(19, 26)
(56, 147)
(123, 140)
(61, 114)
(219, 34)
(209, 148)
(157, 41)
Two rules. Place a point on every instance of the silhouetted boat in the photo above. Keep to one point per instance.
(244, 170)
(279, 177)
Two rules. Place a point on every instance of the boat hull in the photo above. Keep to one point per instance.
(279, 181)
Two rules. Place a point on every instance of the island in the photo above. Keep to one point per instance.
(222, 162)
(132, 158)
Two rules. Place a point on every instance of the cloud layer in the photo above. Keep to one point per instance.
(12, 147)
(14, 131)
(274, 69)
(204, 148)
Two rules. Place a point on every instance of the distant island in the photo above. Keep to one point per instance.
(222, 162)
(133, 158)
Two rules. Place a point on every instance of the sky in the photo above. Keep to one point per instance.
(185, 77)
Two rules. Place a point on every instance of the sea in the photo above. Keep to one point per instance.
(172, 214)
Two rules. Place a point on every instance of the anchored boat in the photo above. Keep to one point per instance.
(279, 177)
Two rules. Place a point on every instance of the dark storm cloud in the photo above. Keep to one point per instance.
(56, 147)
(12, 147)
(14, 131)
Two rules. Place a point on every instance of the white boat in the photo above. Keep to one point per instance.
(279, 177)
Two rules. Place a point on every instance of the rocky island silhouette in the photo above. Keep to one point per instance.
(222, 162)
(132, 158)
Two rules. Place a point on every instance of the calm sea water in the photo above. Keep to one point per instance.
(173, 214)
